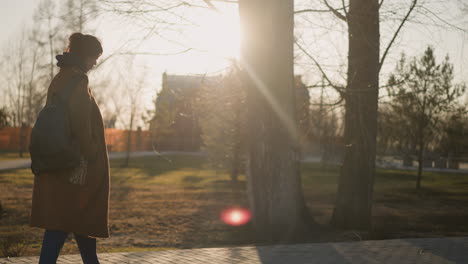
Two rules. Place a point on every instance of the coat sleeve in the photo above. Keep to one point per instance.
(80, 118)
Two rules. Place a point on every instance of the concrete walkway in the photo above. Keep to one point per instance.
(26, 163)
(397, 251)
(14, 164)
(391, 164)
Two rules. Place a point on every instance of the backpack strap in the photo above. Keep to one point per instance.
(64, 96)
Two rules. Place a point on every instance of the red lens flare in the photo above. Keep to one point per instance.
(235, 216)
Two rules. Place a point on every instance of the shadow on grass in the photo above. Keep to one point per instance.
(392, 176)
(192, 179)
(207, 228)
(158, 165)
(154, 166)
(444, 220)
(144, 169)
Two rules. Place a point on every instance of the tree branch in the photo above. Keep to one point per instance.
(315, 10)
(211, 6)
(444, 21)
(413, 5)
(154, 53)
(225, 1)
(132, 9)
(335, 11)
(344, 8)
(102, 61)
(338, 102)
(338, 88)
(381, 3)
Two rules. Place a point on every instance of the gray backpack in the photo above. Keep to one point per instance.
(52, 146)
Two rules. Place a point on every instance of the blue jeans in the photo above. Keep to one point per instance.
(53, 243)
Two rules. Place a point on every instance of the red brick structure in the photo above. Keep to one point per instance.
(10, 138)
(116, 139)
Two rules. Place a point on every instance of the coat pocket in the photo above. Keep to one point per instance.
(78, 174)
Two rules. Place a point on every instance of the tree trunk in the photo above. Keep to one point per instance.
(278, 209)
(420, 164)
(51, 50)
(129, 142)
(237, 148)
(22, 139)
(407, 160)
(452, 162)
(235, 163)
(355, 189)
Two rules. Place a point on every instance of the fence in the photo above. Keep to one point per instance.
(11, 139)
(116, 140)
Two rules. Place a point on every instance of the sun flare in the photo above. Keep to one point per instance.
(235, 216)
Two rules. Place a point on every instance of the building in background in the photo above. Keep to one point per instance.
(175, 123)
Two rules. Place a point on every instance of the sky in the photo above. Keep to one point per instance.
(16, 14)
(326, 37)
(215, 43)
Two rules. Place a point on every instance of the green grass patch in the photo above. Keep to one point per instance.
(186, 172)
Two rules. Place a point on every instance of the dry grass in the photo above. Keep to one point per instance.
(161, 205)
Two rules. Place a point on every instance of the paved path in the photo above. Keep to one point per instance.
(397, 251)
(389, 164)
(14, 164)
(26, 163)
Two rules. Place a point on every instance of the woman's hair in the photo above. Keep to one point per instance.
(84, 45)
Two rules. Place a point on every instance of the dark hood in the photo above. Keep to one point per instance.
(70, 60)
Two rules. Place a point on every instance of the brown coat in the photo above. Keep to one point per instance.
(58, 204)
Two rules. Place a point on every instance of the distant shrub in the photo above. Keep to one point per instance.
(4, 117)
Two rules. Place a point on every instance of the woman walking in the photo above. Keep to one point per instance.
(75, 200)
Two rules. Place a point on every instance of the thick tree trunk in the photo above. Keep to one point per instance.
(355, 188)
(273, 177)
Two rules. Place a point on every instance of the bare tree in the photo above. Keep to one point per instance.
(45, 15)
(355, 188)
(20, 62)
(324, 128)
(273, 177)
(54, 21)
(77, 15)
(354, 198)
(127, 102)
